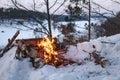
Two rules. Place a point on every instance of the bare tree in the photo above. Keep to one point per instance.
(99, 11)
(48, 30)
(108, 11)
(102, 7)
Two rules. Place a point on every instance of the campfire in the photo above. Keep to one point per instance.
(41, 51)
(50, 55)
(47, 50)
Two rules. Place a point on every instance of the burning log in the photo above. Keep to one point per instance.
(48, 52)
(8, 46)
(51, 56)
(33, 42)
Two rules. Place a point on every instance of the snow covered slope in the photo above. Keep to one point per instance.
(12, 69)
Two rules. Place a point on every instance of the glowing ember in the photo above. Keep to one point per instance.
(50, 55)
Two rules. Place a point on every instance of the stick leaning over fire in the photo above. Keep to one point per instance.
(8, 46)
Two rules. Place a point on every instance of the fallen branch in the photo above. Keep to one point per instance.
(9, 45)
(96, 57)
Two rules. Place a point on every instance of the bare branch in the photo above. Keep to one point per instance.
(111, 12)
(53, 4)
(40, 24)
(29, 28)
(105, 17)
(59, 7)
(45, 1)
(15, 4)
(34, 29)
(18, 5)
(101, 14)
(116, 1)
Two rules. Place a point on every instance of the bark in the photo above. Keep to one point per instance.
(89, 21)
(49, 19)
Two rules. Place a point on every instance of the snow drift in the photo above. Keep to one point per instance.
(12, 69)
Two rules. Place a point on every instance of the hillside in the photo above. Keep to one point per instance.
(12, 69)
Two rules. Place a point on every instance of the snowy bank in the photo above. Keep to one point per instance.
(12, 69)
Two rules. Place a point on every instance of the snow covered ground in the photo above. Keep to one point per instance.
(7, 30)
(12, 69)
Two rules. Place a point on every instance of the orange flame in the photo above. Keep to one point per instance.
(50, 55)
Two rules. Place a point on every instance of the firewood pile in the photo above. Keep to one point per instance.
(32, 43)
(43, 51)
(29, 48)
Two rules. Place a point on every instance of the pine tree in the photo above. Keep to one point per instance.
(74, 11)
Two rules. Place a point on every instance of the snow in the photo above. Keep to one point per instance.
(9, 32)
(85, 69)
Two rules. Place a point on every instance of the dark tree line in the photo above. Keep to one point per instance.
(19, 13)
(13, 13)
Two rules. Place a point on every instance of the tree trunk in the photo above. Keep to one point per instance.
(49, 20)
(89, 21)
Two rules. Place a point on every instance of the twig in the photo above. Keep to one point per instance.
(107, 42)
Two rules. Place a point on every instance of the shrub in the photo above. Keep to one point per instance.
(112, 26)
